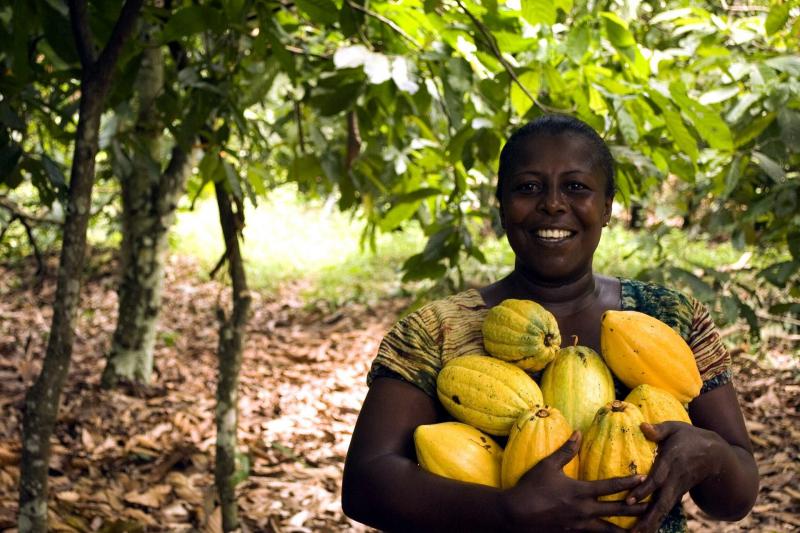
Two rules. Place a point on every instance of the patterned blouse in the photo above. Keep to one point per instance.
(417, 347)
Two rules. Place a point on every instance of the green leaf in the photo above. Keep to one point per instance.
(683, 139)
(786, 202)
(455, 148)
(617, 30)
(787, 64)
(697, 287)
(707, 123)
(419, 194)
(398, 214)
(753, 129)
(405, 205)
(332, 102)
(789, 122)
(521, 102)
(322, 11)
(257, 176)
(9, 157)
(777, 17)
(539, 12)
(578, 40)
(306, 169)
(190, 20)
(793, 240)
(627, 125)
(416, 268)
(784, 308)
(769, 166)
(435, 247)
(779, 273)
(55, 175)
(747, 312)
(350, 20)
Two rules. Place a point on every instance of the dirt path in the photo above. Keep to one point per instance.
(142, 461)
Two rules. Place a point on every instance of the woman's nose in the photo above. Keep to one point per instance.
(553, 202)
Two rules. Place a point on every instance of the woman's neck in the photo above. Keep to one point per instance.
(562, 299)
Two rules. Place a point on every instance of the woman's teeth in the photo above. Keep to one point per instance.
(553, 234)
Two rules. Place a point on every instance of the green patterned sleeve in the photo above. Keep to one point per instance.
(410, 351)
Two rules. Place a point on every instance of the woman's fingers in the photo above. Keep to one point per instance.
(655, 479)
(604, 487)
(602, 526)
(566, 452)
(618, 508)
(651, 520)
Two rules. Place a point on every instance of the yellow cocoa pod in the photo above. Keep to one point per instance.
(521, 332)
(486, 393)
(577, 383)
(458, 451)
(615, 446)
(641, 349)
(535, 435)
(657, 405)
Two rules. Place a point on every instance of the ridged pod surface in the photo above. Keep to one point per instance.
(486, 393)
(657, 405)
(578, 383)
(615, 446)
(521, 332)
(535, 435)
(641, 349)
(458, 451)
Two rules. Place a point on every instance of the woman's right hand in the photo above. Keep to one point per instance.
(545, 499)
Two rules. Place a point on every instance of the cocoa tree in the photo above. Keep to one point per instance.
(42, 399)
(151, 190)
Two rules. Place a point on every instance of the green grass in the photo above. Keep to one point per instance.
(312, 244)
(288, 240)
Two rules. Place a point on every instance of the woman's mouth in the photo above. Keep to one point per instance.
(554, 235)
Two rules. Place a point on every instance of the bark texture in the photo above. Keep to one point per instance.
(42, 399)
(229, 351)
(149, 200)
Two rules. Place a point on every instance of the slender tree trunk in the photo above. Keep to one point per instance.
(42, 399)
(149, 199)
(231, 340)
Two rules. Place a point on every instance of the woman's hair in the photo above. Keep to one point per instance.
(556, 125)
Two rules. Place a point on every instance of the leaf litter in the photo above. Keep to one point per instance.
(142, 459)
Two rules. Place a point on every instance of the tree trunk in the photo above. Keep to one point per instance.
(229, 352)
(149, 199)
(42, 399)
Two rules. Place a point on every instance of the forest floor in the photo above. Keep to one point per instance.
(142, 460)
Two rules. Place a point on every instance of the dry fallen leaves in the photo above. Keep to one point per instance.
(145, 460)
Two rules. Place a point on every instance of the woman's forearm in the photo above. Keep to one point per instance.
(394, 494)
(730, 493)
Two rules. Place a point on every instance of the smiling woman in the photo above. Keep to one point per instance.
(555, 189)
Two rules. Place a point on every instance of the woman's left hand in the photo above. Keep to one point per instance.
(685, 458)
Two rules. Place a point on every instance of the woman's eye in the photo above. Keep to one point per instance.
(576, 186)
(528, 187)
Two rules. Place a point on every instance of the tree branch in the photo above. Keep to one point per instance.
(17, 212)
(298, 116)
(386, 21)
(82, 32)
(107, 59)
(506, 65)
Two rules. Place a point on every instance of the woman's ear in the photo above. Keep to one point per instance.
(608, 210)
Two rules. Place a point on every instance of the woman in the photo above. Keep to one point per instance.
(555, 190)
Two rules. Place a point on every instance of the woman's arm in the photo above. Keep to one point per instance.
(384, 487)
(736, 479)
(712, 459)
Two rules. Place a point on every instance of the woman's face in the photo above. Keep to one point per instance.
(553, 207)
